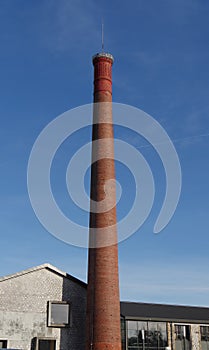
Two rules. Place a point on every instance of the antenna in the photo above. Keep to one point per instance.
(102, 35)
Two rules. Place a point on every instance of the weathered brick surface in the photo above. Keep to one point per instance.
(103, 308)
(23, 309)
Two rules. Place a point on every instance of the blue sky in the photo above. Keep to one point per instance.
(161, 51)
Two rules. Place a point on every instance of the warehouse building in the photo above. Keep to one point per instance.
(43, 308)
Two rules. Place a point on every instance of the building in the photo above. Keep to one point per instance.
(43, 308)
(158, 327)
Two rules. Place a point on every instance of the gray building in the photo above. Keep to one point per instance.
(44, 308)
(159, 327)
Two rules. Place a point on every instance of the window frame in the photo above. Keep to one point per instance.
(185, 331)
(58, 325)
(206, 334)
(46, 339)
(151, 328)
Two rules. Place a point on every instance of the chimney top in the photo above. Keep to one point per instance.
(104, 55)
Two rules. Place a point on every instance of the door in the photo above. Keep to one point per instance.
(182, 337)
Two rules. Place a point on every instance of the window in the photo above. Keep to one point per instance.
(179, 332)
(204, 331)
(58, 314)
(157, 335)
(46, 344)
(182, 332)
(144, 335)
(3, 344)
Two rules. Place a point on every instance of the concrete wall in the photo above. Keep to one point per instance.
(195, 337)
(23, 310)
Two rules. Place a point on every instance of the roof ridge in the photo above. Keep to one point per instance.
(40, 267)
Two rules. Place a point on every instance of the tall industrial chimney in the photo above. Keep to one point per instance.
(103, 302)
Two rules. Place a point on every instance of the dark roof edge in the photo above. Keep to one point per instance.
(165, 312)
(160, 304)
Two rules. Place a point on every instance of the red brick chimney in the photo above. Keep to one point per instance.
(103, 302)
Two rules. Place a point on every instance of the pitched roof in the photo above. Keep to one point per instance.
(41, 267)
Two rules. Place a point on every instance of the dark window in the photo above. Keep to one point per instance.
(179, 332)
(58, 314)
(204, 331)
(3, 344)
(46, 344)
(146, 335)
(157, 335)
(182, 332)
